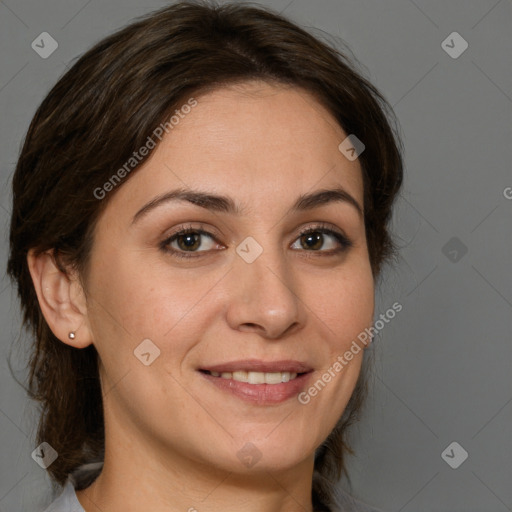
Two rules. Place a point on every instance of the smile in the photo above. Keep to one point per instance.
(256, 377)
(259, 382)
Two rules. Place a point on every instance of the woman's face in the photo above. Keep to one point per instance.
(240, 292)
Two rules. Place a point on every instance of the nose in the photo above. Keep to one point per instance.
(264, 297)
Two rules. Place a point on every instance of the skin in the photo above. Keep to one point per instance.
(171, 436)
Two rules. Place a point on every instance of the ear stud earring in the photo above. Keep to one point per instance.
(71, 335)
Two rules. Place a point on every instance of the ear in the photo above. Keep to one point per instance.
(61, 299)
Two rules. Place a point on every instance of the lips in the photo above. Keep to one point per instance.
(256, 365)
(259, 382)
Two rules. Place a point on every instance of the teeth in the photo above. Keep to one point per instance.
(241, 376)
(257, 377)
(273, 378)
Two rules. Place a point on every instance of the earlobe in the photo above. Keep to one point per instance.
(61, 300)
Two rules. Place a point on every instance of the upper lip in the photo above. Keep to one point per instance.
(257, 365)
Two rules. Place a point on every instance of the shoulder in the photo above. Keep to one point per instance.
(80, 478)
(66, 501)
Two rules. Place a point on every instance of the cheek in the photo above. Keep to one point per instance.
(134, 294)
(346, 305)
(133, 299)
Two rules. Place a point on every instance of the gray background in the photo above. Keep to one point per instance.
(442, 365)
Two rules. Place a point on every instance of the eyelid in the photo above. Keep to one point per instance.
(191, 226)
(319, 225)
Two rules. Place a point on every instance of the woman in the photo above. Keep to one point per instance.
(200, 214)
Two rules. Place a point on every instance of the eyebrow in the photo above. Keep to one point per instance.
(224, 204)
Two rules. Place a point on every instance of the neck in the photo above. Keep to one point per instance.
(139, 477)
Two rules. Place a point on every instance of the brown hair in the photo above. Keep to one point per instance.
(101, 111)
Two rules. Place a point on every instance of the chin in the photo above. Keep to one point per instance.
(265, 453)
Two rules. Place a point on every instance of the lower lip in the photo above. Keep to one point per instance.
(260, 394)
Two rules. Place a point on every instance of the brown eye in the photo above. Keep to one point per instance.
(187, 242)
(313, 239)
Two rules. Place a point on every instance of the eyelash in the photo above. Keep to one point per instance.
(344, 242)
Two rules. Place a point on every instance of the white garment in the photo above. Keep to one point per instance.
(67, 501)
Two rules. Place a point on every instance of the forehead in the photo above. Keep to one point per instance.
(256, 141)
